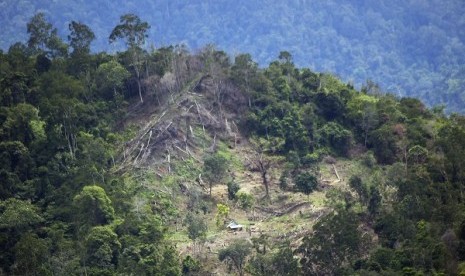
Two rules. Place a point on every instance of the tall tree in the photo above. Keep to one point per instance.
(281, 262)
(243, 71)
(93, 207)
(362, 110)
(215, 167)
(31, 255)
(262, 162)
(44, 38)
(335, 242)
(80, 38)
(236, 253)
(39, 31)
(196, 228)
(18, 215)
(134, 32)
(102, 249)
(110, 78)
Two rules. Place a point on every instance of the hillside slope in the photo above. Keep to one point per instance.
(411, 48)
(137, 162)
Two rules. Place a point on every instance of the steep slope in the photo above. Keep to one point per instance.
(110, 168)
(410, 48)
(175, 128)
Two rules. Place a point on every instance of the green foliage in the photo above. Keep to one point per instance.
(337, 137)
(336, 241)
(369, 160)
(110, 77)
(16, 165)
(363, 111)
(60, 130)
(215, 167)
(18, 215)
(93, 207)
(283, 180)
(196, 227)
(233, 188)
(374, 201)
(284, 262)
(306, 182)
(170, 265)
(39, 30)
(31, 255)
(221, 214)
(43, 37)
(64, 124)
(236, 253)
(190, 266)
(260, 265)
(102, 249)
(80, 38)
(245, 200)
(281, 262)
(384, 141)
(23, 124)
(356, 183)
(330, 105)
(131, 29)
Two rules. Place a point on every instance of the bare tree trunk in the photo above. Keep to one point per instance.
(140, 90)
(265, 182)
(137, 69)
(366, 137)
(263, 166)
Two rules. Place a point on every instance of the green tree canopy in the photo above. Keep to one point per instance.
(110, 77)
(102, 249)
(236, 253)
(335, 242)
(306, 182)
(132, 29)
(80, 37)
(215, 167)
(18, 214)
(39, 31)
(93, 207)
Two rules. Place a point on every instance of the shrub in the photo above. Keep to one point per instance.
(245, 200)
(233, 188)
(306, 182)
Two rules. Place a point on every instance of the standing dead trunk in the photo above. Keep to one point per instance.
(140, 90)
(263, 165)
(265, 182)
(137, 65)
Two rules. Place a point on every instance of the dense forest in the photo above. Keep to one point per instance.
(131, 163)
(410, 48)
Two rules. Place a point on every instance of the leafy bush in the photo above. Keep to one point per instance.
(283, 180)
(306, 182)
(245, 200)
(233, 188)
(369, 159)
(334, 135)
(190, 265)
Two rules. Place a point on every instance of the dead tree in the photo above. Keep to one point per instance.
(263, 164)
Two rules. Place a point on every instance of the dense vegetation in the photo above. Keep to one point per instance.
(411, 48)
(69, 206)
